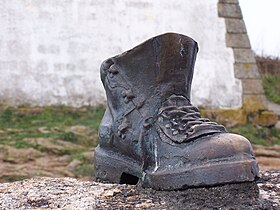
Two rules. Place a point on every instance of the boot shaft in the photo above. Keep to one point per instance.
(150, 73)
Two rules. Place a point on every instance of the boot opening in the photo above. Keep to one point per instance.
(128, 179)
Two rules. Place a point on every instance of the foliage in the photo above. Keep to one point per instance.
(270, 72)
(271, 84)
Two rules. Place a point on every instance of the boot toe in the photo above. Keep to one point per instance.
(212, 160)
(220, 147)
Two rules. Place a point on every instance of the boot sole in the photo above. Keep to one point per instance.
(209, 175)
(111, 166)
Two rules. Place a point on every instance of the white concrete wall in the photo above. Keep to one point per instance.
(51, 50)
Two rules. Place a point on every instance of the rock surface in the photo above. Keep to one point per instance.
(69, 193)
(268, 157)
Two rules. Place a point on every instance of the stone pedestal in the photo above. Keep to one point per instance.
(69, 193)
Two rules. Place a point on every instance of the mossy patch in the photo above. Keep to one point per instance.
(263, 118)
(227, 117)
(253, 103)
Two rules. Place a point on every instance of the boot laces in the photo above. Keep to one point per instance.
(179, 117)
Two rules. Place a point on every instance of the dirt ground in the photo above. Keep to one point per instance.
(60, 142)
(21, 163)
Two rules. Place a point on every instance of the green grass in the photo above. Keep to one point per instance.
(61, 116)
(24, 122)
(13, 178)
(271, 84)
(258, 135)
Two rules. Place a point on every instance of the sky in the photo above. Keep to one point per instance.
(262, 19)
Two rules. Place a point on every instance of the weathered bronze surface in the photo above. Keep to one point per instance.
(152, 134)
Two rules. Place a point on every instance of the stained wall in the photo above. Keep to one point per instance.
(50, 50)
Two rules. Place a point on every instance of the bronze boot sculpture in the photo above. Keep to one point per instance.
(151, 133)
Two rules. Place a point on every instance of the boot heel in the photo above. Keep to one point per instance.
(109, 166)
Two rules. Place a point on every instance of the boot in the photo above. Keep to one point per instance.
(151, 133)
